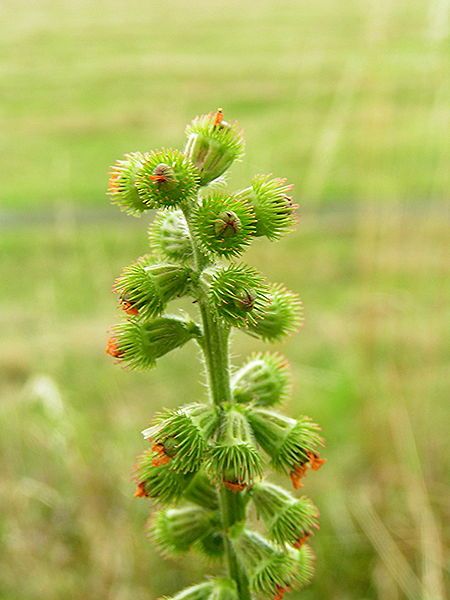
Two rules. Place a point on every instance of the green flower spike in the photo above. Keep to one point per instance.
(283, 315)
(272, 204)
(121, 185)
(176, 530)
(234, 459)
(291, 444)
(212, 145)
(289, 520)
(238, 294)
(157, 481)
(139, 344)
(264, 380)
(169, 236)
(181, 436)
(166, 179)
(224, 225)
(215, 589)
(269, 566)
(145, 287)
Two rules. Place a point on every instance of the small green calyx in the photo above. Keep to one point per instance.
(238, 294)
(166, 179)
(122, 184)
(223, 225)
(214, 589)
(283, 315)
(212, 145)
(169, 236)
(263, 380)
(272, 205)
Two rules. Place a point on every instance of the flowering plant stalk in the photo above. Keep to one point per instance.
(206, 459)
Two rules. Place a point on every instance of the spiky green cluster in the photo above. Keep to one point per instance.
(282, 316)
(213, 145)
(146, 287)
(166, 178)
(238, 294)
(169, 236)
(223, 224)
(263, 380)
(205, 461)
(272, 205)
(122, 183)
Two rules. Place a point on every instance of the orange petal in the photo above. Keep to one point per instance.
(140, 491)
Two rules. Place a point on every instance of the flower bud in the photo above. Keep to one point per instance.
(182, 435)
(145, 287)
(289, 520)
(268, 566)
(238, 294)
(212, 145)
(166, 179)
(282, 315)
(169, 236)
(263, 380)
(139, 344)
(292, 444)
(214, 589)
(176, 530)
(234, 458)
(223, 224)
(122, 184)
(201, 491)
(272, 205)
(158, 481)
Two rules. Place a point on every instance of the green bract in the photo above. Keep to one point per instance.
(264, 379)
(272, 205)
(169, 236)
(223, 225)
(138, 344)
(238, 294)
(212, 145)
(166, 178)
(283, 315)
(122, 184)
(206, 457)
(146, 287)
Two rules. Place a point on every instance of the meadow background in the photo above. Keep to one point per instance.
(349, 99)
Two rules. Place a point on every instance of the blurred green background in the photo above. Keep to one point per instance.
(347, 99)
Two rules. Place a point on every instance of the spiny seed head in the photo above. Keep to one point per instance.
(146, 287)
(288, 520)
(263, 380)
(122, 184)
(234, 458)
(183, 435)
(138, 344)
(169, 236)
(223, 225)
(290, 443)
(166, 179)
(212, 145)
(268, 565)
(282, 315)
(238, 294)
(157, 481)
(202, 491)
(176, 530)
(272, 204)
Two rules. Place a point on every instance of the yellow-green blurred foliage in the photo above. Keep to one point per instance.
(349, 100)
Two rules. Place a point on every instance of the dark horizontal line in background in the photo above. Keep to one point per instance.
(66, 215)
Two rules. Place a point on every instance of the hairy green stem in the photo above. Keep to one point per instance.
(215, 346)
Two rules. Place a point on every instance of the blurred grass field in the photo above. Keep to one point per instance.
(347, 99)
